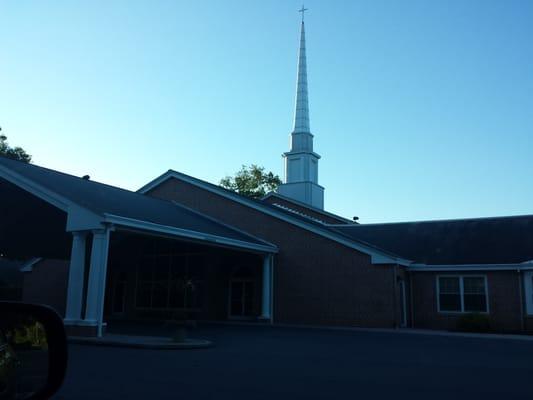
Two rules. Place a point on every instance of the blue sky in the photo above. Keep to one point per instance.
(420, 109)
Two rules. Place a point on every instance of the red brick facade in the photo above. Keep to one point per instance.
(506, 311)
(316, 280)
(47, 284)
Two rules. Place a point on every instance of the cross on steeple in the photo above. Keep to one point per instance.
(301, 162)
(303, 10)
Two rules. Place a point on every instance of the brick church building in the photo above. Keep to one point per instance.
(98, 253)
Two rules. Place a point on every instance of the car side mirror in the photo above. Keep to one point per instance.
(33, 351)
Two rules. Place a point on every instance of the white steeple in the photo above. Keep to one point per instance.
(301, 163)
(301, 113)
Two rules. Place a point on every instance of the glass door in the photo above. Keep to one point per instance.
(241, 298)
(119, 294)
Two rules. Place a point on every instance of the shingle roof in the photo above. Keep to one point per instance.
(305, 207)
(105, 199)
(498, 240)
(382, 256)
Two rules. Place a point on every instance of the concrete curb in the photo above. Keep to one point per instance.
(141, 342)
(413, 331)
(402, 331)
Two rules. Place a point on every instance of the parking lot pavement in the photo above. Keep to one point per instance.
(279, 363)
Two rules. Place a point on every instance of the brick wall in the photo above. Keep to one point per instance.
(316, 280)
(504, 301)
(47, 284)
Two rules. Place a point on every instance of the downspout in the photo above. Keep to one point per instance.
(272, 289)
(100, 322)
(411, 303)
(521, 296)
(394, 296)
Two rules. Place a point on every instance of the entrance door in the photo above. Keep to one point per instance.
(119, 294)
(241, 298)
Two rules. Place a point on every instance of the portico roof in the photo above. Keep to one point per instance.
(90, 204)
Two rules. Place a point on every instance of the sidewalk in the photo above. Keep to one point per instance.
(412, 331)
(141, 342)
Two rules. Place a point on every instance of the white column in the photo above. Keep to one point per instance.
(266, 306)
(97, 280)
(76, 276)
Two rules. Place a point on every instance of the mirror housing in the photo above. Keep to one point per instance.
(31, 330)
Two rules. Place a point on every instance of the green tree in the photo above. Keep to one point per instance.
(251, 181)
(15, 153)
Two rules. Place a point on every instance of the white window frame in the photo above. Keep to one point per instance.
(462, 294)
(528, 291)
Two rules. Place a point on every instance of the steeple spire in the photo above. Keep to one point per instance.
(301, 113)
(301, 162)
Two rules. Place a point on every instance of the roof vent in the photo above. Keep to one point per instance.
(86, 177)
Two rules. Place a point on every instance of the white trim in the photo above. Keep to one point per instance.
(97, 281)
(76, 277)
(462, 293)
(205, 237)
(377, 257)
(28, 266)
(469, 267)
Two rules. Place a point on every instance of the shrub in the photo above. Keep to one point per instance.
(474, 322)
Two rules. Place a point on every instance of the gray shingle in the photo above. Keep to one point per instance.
(101, 198)
(498, 240)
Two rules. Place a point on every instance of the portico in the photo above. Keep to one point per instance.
(95, 227)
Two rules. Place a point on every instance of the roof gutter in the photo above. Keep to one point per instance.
(528, 265)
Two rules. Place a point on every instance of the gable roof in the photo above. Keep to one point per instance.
(123, 207)
(378, 255)
(497, 240)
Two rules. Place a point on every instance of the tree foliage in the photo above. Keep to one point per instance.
(251, 181)
(15, 153)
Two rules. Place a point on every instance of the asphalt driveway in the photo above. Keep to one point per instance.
(287, 363)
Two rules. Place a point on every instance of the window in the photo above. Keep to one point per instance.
(462, 294)
(171, 282)
(475, 299)
(450, 294)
